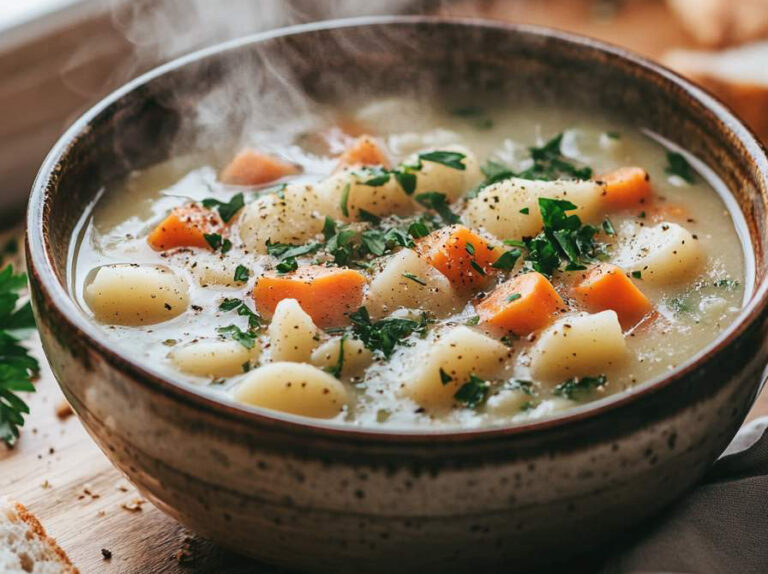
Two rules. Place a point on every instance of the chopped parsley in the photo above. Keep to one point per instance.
(579, 388)
(450, 159)
(521, 385)
(287, 254)
(242, 274)
(473, 393)
(513, 297)
(726, 283)
(679, 166)
(564, 239)
(476, 266)
(415, 279)
(507, 260)
(445, 378)
(17, 366)
(232, 304)
(473, 320)
(335, 369)
(608, 227)
(438, 202)
(525, 211)
(227, 210)
(246, 338)
(345, 200)
(384, 335)
(637, 274)
(216, 242)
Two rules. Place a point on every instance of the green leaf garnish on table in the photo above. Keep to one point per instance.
(17, 366)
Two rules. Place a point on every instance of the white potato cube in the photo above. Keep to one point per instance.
(292, 333)
(497, 208)
(444, 179)
(347, 190)
(213, 358)
(131, 294)
(355, 360)
(459, 353)
(295, 388)
(665, 253)
(288, 216)
(392, 288)
(579, 346)
(211, 269)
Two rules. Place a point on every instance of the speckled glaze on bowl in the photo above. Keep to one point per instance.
(321, 498)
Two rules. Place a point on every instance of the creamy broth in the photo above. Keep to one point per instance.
(687, 312)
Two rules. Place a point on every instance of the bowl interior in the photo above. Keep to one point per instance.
(211, 98)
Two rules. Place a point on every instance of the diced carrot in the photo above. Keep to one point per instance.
(365, 150)
(250, 167)
(606, 286)
(521, 305)
(626, 187)
(667, 212)
(326, 294)
(186, 226)
(460, 254)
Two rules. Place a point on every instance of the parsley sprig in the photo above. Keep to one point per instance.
(17, 366)
(228, 209)
(384, 335)
(579, 388)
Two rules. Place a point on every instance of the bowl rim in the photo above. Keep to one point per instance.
(40, 264)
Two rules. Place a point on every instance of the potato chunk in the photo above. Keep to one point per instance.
(130, 294)
(345, 193)
(292, 334)
(354, 361)
(510, 209)
(407, 281)
(452, 182)
(458, 353)
(289, 216)
(579, 346)
(213, 358)
(294, 388)
(662, 254)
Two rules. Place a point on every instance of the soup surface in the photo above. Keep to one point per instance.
(412, 267)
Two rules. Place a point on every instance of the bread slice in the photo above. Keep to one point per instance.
(738, 76)
(723, 22)
(24, 546)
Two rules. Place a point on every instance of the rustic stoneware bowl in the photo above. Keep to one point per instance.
(317, 497)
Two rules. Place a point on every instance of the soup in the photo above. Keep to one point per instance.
(407, 266)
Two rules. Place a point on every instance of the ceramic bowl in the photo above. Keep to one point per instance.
(323, 498)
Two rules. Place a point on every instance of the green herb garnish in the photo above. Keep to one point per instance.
(608, 227)
(450, 159)
(438, 202)
(17, 366)
(226, 210)
(415, 279)
(679, 166)
(335, 369)
(246, 338)
(445, 378)
(579, 388)
(513, 297)
(473, 393)
(384, 335)
(344, 201)
(242, 274)
(507, 260)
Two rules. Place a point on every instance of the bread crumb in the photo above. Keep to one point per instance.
(64, 410)
(133, 505)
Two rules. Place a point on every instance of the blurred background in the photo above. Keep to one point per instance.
(58, 57)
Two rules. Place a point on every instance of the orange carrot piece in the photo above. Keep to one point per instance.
(326, 294)
(365, 150)
(626, 187)
(460, 254)
(606, 286)
(250, 167)
(523, 304)
(186, 226)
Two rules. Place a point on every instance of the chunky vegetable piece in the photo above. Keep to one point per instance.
(250, 167)
(509, 209)
(326, 294)
(346, 355)
(409, 281)
(626, 187)
(348, 192)
(295, 388)
(579, 346)
(606, 286)
(521, 305)
(441, 367)
(365, 150)
(446, 177)
(186, 226)
(292, 334)
(460, 254)
(664, 254)
(214, 358)
(130, 294)
(288, 215)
